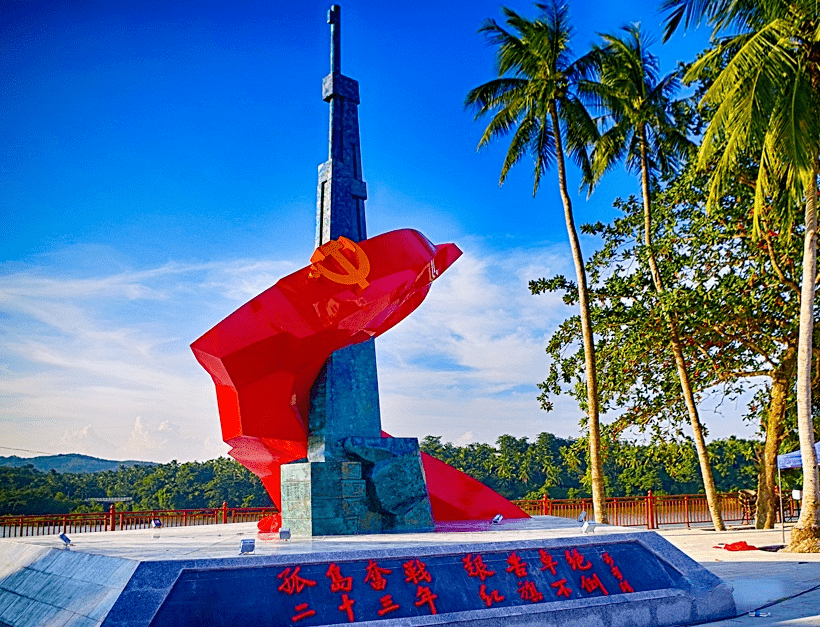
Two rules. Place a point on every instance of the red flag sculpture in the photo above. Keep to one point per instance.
(265, 357)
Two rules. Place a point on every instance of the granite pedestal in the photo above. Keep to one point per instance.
(542, 571)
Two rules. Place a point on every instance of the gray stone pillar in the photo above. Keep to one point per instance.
(345, 398)
(354, 481)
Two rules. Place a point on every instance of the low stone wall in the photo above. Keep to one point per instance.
(45, 586)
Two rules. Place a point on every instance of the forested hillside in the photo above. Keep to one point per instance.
(556, 466)
(514, 467)
(164, 486)
(70, 462)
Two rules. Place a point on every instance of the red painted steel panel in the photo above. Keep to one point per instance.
(265, 356)
(455, 495)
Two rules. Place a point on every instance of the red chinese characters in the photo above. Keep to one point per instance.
(516, 565)
(415, 571)
(292, 583)
(425, 595)
(489, 598)
(303, 612)
(528, 591)
(347, 607)
(548, 562)
(590, 584)
(475, 567)
(577, 561)
(340, 583)
(375, 575)
(388, 605)
(376, 578)
(561, 588)
(623, 584)
(337, 582)
(493, 579)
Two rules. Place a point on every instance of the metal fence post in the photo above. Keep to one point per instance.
(646, 508)
(112, 517)
(224, 512)
(650, 510)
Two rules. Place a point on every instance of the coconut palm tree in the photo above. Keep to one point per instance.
(533, 100)
(766, 103)
(636, 109)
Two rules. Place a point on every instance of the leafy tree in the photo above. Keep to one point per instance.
(233, 483)
(534, 99)
(663, 466)
(192, 485)
(738, 314)
(555, 467)
(767, 105)
(732, 462)
(658, 467)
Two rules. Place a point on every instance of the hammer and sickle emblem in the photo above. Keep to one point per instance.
(334, 248)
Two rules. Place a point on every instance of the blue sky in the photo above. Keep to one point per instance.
(159, 169)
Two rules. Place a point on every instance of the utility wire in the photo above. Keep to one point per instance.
(25, 450)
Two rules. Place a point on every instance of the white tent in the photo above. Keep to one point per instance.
(793, 459)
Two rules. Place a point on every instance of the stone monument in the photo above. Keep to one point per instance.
(354, 481)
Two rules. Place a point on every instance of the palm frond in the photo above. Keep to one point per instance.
(535, 72)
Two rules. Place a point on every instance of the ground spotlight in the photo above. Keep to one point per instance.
(247, 547)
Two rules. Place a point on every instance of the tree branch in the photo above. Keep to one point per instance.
(787, 282)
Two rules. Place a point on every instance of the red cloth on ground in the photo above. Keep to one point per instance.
(738, 546)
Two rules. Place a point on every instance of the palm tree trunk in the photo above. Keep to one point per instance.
(595, 464)
(766, 515)
(808, 525)
(677, 349)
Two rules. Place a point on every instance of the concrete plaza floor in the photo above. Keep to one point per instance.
(786, 586)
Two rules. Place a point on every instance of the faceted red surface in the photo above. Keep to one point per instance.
(265, 356)
(455, 495)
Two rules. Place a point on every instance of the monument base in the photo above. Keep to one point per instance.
(380, 490)
(535, 572)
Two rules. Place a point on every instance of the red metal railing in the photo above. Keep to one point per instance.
(652, 511)
(49, 524)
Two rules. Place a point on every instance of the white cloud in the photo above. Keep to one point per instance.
(465, 438)
(168, 440)
(87, 355)
(105, 361)
(84, 441)
(470, 358)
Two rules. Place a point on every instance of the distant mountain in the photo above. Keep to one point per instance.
(71, 462)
